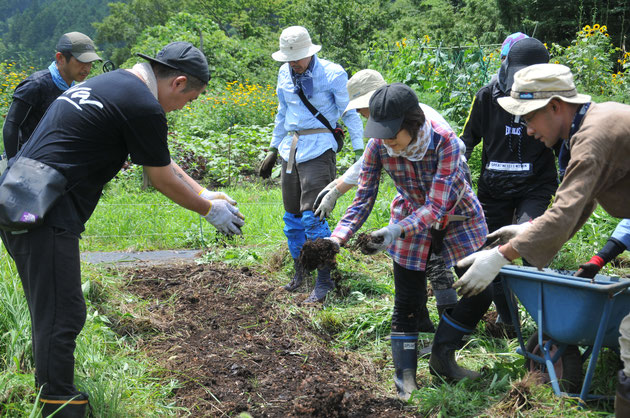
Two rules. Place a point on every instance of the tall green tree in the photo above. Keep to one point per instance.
(119, 30)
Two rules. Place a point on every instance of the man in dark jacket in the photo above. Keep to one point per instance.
(518, 175)
(31, 98)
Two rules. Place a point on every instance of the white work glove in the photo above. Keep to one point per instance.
(208, 195)
(387, 235)
(484, 266)
(225, 217)
(327, 202)
(504, 234)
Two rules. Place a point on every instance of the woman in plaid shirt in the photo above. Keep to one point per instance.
(423, 159)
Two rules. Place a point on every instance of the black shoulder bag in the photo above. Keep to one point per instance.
(28, 189)
(338, 132)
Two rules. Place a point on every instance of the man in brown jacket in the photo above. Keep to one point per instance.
(595, 150)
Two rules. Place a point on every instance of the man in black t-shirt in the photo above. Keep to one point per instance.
(31, 98)
(87, 134)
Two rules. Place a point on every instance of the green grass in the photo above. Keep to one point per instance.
(122, 382)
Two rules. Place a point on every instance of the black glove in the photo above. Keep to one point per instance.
(590, 269)
(267, 165)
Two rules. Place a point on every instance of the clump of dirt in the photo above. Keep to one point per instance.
(497, 330)
(361, 241)
(318, 253)
(219, 331)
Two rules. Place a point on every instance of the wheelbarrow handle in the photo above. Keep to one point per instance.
(617, 287)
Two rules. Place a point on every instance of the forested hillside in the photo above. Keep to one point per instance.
(29, 29)
(243, 32)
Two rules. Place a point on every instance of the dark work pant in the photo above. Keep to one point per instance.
(307, 179)
(469, 311)
(410, 297)
(508, 211)
(48, 262)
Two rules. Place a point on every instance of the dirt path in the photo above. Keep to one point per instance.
(220, 332)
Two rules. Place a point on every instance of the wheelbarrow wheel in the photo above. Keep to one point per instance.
(568, 367)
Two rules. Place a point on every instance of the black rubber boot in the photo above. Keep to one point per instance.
(297, 279)
(622, 398)
(405, 357)
(65, 406)
(323, 285)
(448, 338)
(425, 352)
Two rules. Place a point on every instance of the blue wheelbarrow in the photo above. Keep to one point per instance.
(566, 310)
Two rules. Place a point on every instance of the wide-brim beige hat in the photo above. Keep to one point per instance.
(536, 85)
(361, 86)
(295, 44)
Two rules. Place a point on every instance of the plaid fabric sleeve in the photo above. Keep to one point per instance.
(437, 201)
(363, 202)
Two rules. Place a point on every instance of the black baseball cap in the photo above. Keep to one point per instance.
(183, 56)
(79, 45)
(523, 53)
(388, 107)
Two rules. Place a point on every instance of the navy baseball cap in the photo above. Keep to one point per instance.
(388, 107)
(79, 45)
(183, 56)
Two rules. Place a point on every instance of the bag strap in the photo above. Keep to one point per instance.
(315, 112)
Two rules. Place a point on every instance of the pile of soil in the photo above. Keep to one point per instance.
(219, 331)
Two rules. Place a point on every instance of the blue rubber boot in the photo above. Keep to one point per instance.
(297, 279)
(323, 285)
(405, 358)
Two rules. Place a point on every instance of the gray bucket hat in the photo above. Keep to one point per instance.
(295, 44)
(536, 85)
(361, 86)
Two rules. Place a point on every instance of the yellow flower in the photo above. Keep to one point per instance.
(586, 28)
(603, 29)
(596, 26)
(556, 62)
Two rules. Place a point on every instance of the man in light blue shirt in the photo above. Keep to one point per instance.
(306, 146)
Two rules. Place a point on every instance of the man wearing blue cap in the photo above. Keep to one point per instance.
(86, 135)
(31, 98)
(518, 174)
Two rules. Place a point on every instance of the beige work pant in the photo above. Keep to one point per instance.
(624, 344)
